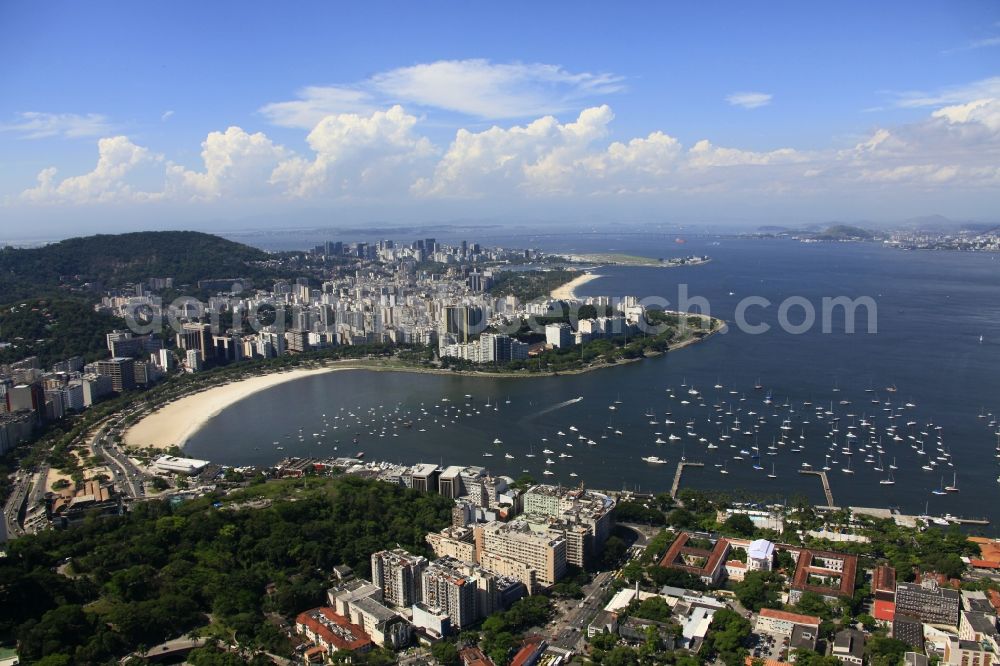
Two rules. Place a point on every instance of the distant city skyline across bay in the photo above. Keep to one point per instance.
(232, 116)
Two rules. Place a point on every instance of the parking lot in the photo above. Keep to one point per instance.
(770, 646)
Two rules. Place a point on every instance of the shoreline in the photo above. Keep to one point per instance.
(567, 291)
(174, 423)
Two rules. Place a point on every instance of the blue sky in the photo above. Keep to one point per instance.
(197, 114)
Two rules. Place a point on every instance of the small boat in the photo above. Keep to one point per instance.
(654, 460)
(953, 488)
(772, 475)
(508, 456)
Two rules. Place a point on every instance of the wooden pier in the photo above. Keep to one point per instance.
(680, 472)
(826, 484)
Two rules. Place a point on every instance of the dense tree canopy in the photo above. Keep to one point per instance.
(157, 572)
(187, 256)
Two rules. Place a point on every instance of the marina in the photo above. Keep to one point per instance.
(738, 403)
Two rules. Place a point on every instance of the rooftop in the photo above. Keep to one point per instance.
(795, 618)
(805, 567)
(424, 469)
(760, 549)
(884, 610)
(674, 556)
(849, 642)
(379, 611)
(884, 579)
(333, 629)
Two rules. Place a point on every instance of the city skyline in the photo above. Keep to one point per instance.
(724, 114)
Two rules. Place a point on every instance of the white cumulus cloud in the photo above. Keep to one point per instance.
(235, 163)
(357, 155)
(117, 156)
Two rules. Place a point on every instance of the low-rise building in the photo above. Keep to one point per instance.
(884, 583)
(332, 632)
(771, 621)
(958, 652)
(707, 563)
(386, 627)
(849, 646)
(760, 555)
(830, 575)
(175, 465)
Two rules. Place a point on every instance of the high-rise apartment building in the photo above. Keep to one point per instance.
(397, 572)
(513, 549)
(447, 585)
(559, 335)
(121, 371)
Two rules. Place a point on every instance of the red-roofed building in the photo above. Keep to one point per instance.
(736, 570)
(994, 597)
(473, 656)
(830, 575)
(884, 611)
(702, 562)
(985, 564)
(773, 621)
(332, 632)
(884, 583)
(529, 654)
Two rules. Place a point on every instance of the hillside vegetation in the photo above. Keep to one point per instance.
(115, 260)
(53, 330)
(844, 232)
(159, 571)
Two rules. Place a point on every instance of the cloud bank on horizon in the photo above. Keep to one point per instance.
(527, 132)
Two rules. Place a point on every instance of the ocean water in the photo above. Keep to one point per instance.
(932, 309)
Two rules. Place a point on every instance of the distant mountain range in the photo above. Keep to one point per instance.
(867, 229)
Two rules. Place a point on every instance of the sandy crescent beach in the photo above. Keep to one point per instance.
(567, 291)
(173, 424)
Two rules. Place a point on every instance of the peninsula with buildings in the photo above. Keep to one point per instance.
(148, 314)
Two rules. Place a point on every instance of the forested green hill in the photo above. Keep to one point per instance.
(113, 260)
(158, 572)
(53, 330)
